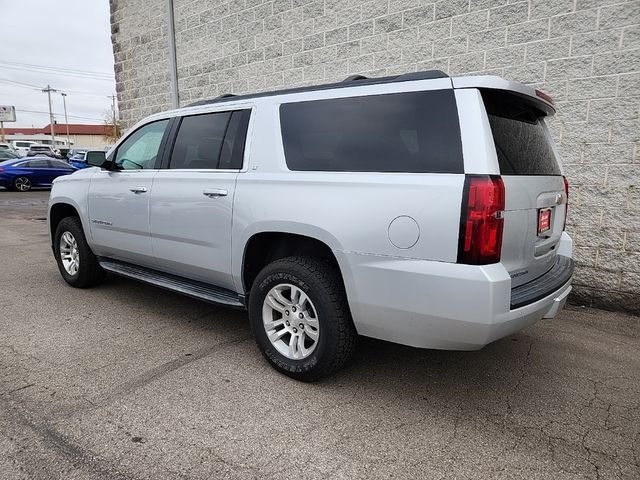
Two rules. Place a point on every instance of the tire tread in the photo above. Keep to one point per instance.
(343, 344)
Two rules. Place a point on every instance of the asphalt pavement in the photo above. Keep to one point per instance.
(126, 381)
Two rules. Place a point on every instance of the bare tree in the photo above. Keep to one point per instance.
(113, 130)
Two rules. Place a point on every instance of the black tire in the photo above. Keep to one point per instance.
(89, 271)
(21, 184)
(321, 282)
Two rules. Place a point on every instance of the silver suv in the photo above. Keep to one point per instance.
(419, 209)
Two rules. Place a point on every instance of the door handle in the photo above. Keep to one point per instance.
(214, 192)
(139, 189)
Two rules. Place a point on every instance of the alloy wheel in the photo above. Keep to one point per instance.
(22, 184)
(69, 253)
(290, 321)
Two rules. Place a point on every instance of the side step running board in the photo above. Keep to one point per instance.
(191, 288)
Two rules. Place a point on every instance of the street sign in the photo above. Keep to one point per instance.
(7, 113)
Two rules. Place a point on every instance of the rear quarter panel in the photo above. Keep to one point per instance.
(350, 212)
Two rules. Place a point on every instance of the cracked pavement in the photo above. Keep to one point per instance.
(126, 381)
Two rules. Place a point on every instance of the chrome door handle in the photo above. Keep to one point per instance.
(214, 192)
(139, 189)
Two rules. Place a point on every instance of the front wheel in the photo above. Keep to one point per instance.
(77, 263)
(22, 184)
(300, 317)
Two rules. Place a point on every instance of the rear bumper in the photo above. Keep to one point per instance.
(439, 305)
(530, 292)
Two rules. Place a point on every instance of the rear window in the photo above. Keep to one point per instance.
(521, 141)
(401, 132)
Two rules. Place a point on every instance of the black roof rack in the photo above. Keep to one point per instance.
(353, 78)
(350, 81)
(213, 100)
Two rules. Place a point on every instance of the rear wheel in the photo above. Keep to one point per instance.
(22, 184)
(77, 263)
(300, 317)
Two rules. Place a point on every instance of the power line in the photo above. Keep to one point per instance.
(57, 114)
(47, 67)
(61, 73)
(20, 84)
(35, 87)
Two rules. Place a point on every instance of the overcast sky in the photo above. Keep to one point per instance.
(40, 37)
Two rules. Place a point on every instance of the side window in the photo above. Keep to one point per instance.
(140, 149)
(415, 132)
(237, 137)
(58, 164)
(39, 164)
(201, 141)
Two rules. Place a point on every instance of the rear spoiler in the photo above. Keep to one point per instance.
(489, 82)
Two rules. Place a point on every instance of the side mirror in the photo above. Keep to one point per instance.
(97, 159)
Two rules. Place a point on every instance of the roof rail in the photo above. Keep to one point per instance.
(211, 100)
(350, 81)
(424, 75)
(353, 78)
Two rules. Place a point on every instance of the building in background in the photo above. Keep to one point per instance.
(80, 135)
(585, 53)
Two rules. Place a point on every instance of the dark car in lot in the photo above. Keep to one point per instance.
(24, 173)
(6, 154)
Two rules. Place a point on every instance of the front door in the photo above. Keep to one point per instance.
(192, 199)
(119, 198)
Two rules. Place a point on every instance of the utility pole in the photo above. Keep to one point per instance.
(66, 120)
(2, 131)
(113, 115)
(48, 91)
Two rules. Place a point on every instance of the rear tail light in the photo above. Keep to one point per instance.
(481, 220)
(545, 96)
(566, 206)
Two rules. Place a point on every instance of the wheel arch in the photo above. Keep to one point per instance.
(263, 247)
(57, 212)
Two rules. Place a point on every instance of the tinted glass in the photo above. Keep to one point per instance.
(94, 158)
(521, 141)
(5, 154)
(403, 132)
(201, 141)
(58, 164)
(236, 137)
(140, 149)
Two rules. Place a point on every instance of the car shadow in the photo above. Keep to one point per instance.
(379, 367)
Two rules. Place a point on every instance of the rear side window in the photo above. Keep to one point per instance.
(401, 132)
(521, 142)
(211, 141)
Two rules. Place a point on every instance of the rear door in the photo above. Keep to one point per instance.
(535, 196)
(40, 172)
(192, 199)
(57, 168)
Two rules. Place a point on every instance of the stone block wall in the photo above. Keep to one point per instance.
(585, 53)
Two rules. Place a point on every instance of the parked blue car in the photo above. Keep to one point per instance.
(80, 159)
(24, 173)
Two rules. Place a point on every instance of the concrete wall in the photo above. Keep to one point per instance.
(585, 53)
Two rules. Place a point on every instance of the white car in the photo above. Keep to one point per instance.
(419, 209)
(23, 146)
